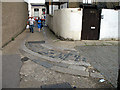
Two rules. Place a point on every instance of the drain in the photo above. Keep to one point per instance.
(59, 85)
(41, 42)
(24, 59)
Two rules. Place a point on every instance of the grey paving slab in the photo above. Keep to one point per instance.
(41, 42)
(62, 65)
(77, 63)
(33, 55)
(96, 75)
(43, 63)
(104, 59)
(77, 67)
(54, 53)
(11, 65)
(34, 76)
(71, 71)
(58, 85)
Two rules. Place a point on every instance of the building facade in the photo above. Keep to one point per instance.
(83, 20)
(38, 10)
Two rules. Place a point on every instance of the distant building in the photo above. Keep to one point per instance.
(38, 10)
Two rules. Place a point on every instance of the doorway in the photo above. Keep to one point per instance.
(91, 24)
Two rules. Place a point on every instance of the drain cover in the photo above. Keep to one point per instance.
(36, 42)
(59, 85)
(24, 59)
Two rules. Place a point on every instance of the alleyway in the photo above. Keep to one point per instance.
(43, 59)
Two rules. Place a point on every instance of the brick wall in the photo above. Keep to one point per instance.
(14, 18)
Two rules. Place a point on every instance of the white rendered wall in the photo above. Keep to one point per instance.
(49, 21)
(67, 23)
(109, 25)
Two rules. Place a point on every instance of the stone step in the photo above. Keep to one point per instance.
(70, 67)
(70, 71)
(62, 67)
(33, 55)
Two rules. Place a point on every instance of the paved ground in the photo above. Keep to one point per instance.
(104, 59)
(11, 62)
(35, 75)
(11, 68)
(1, 69)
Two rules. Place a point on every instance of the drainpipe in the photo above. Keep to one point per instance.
(59, 6)
(67, 3)
(29, 8)
(118, 84)
(48, 8)
(52, 7)
(118, 81)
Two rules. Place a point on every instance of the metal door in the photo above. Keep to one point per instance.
(90, 24)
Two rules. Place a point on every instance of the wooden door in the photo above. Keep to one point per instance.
(90, 24)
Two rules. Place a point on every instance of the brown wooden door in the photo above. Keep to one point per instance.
(90, 24)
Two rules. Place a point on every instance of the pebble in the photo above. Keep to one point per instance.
(93, 71)
(101, 80)
(26, 75)
(78, 77)
(25, 80)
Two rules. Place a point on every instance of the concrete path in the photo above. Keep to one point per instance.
(11, 68)
(61, 56)
(34, 75)
(65, 61)
(40, 66)
(11, 63)
(58, 59)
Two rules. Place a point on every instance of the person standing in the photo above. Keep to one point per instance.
(31, 22)
(39, 24)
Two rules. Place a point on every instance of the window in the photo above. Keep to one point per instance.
(36, 9)
(88, 1)
(43, 9)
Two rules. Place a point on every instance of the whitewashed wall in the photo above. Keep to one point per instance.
(109, 25)
(67, 23)
(49, 21)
